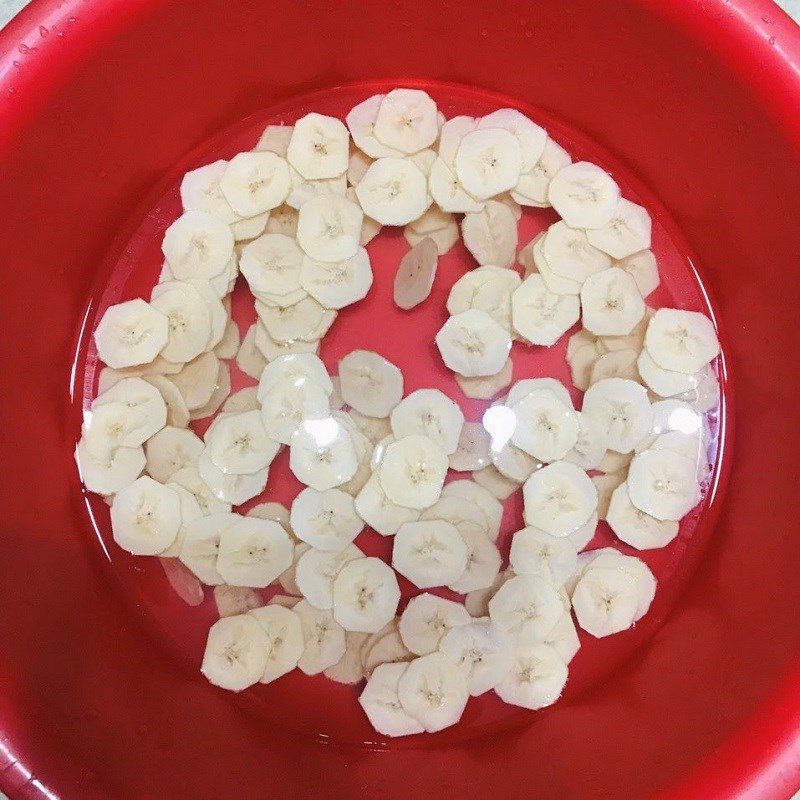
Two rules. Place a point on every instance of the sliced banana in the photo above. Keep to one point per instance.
(429, 412)
(605, 600)
(415, 274)
(357, 166)
(244, 400)
(482, 499)
(514, 463)
(473, 344)
(287, 404)
(622, 410)
(130, 334)
(558, 284)
(663, 483)
(107, 473)
(233, 600)
(616, 364)
(305, 320)
(324, 638)
(645, 582)
(473, 449)
(665, 382)
(446, 190)
(486, 387)
(329, 228)
(322, 454)
(236, 653)
(496, 483)
(627, 232)
(591, 446)
(581, 537)
(682, 341)
(197, 380)
(285, 639)
(482, 652)
(316, 572)
(477, 602)
(559, 498)
(275, 139)
(381, 702)
(228, 345)
(406, 121)
(545, 427)
(526, 608)
(564, 638)
(272, 264)
(642, 267)
(490, 234)
(365, 595)
(337, 284)
(605, 485)
(412, 471)
(349, 669)
(433, 690)
(234, 489)
(182, 581)
(531, 137)
(197, 245)
(376, 429)
(370, 383)
(540, 316)
(288, 579)
(534, 552)
(535, 679)
(200, 191)
(483, 561)
(612, 305)
(189, 320)
(145, 517)
(635, 527)
(170, 450)
(431, 553)
(304, 190)
(277, 512)
(249, 359)
(394, 191)
(427, 619)
(239, 445)
(282, 219)
(524, 387)
(325, 520)
(256, 182)
(570, 255)
(388, 649)
(379, 512)
(319, 147)
(361, 122)
(532, 187)
(488, 162)
(189, 479)
(584, 195)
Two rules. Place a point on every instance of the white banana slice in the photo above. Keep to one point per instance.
(316, 572)
(473, 450)
(233, 600)
(473, 344)
(394, 191)
(632, 566)
(627, 232)
(531, 137)
(222, 389)
(365, 595)
(427, 619)
(616, 364)
(467, 518)
(570, 255)
(337, 284)
(513, 463)
(482, 499)
(477, 602)
(605, 485)
(495, 482)
(197, 245)
(623, 411)
(287, 404)
(255, 182)
(486, 387)
(285, 639)
(234, 489)
(559, 498)
(635, 527)
(177, 413)
(612, 305)
(581, 537)
(370, 383)
(665, 382)
(379, 512)
(663, 483)
(431, 553)
(491, 234)
(110, 472)
(189, 320)
(319, 147)
(584, 195)
(306, 320)
(558, 284)
(275, 139)
(145, 517)
(130, 334)
(532, 187)
(304, 190)
(446, 190)
(329, 228)
(526, 608)
(578, 341)
(270, 349)
(591, 446)
(433, 689)
(197, 380)
(483, 562)
(453, 131)
(632, 341)
(605, 600)
(487, 288)
(249, 359)
(236, 653)
(126, 415)
(349, 669)
(381, 702)
(406, 121)
(189, 479)
(361, 122)
(239, 445)
(488, 162)
(534, 552)
(682, 341)
(325, 520)
(535, 679)
(324, 638)
(250, 227)
(564, 638)
(272, 264)
(283, 220)
(200, 191)
(546, 427)
(429, 412)
(322, 454)
(253, 552)
(170, 450)
(412, 471)
(525, 386)
(415, 274)
(291, 370)
(642, 267)
(244, 400)
(540, 316)
(482, 652)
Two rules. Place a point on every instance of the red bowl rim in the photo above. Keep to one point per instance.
(755, 39)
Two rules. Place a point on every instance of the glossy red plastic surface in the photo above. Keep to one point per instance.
(98, 100)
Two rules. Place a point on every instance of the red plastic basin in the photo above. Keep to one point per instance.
(699, 101)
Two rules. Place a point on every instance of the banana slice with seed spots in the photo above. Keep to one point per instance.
(431, 553)
(145, 517)
(112, 472)
(370, 383)
(612, 305)
(590, 447)
(427, 619)
(379, 512)
(532, 187)
(473, 450)
(130, 334)
(642, 267)
(253, 552)
(239, 445)
(416, 273)
(473, 344)
(365, 595)
(482, 652)
(483, 561)
(682, 341)
(605, 600)
(381, 702)
(635, 527)
(361, 122)
(531, 137)
(546, 427)
(394, 191)
(337, 284)
(490, 234)
(200, 191)
(622, 410)
(616, 364)
(488, 162)
(433, 690)
(584, 195)
(663, 483)
(406, 121)
(559, 498)
(306, 320)
(283, 220)
(170, 450)
(429, 412)
(540, 316)
(319, 147)
(272, 264)
(570, 255)
(189, 479)
(322, 454)
(197, 245)
(285, 639)
(325, 520)
(412, 471)
(236, 653)
(255, 182)
(304, 190)
(324, 639)
(316, 572)
(534, 552)
(627, 232)
(484, 500)
(188, 317)
(526, 608)
(536, 678)
(234, 489)
(446, 190)
(329, 228)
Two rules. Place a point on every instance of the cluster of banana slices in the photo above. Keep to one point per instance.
(293, 216)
